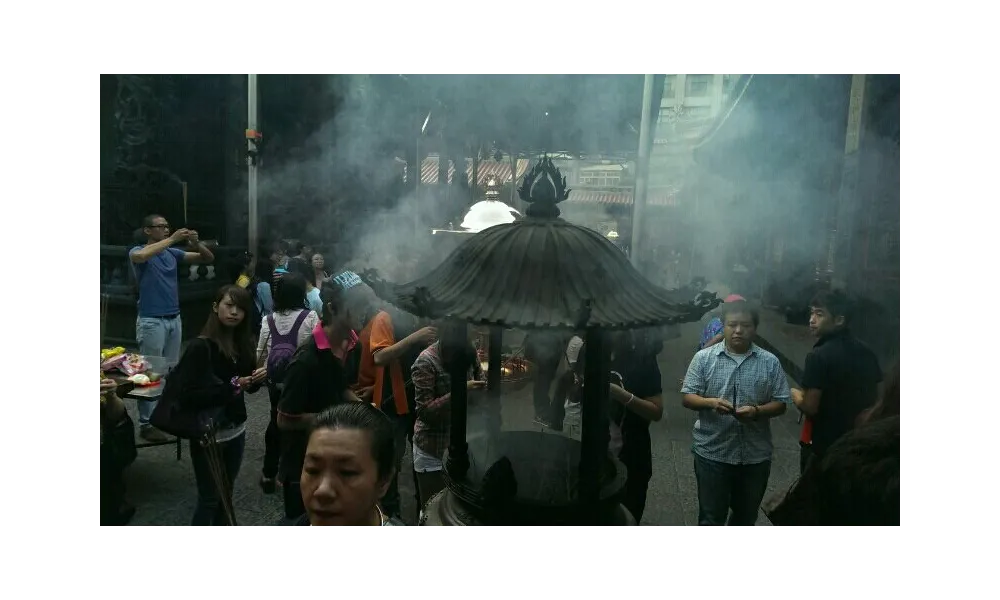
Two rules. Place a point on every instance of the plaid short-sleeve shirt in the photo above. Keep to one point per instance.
(756, 379)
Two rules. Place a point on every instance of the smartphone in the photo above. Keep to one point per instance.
(616, 378)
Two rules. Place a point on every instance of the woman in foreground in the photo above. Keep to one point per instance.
(350, 461)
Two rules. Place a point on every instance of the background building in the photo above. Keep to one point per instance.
(690, 105)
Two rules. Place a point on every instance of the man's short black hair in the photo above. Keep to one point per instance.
(147, 221)
(741, 307)
(834, 302)
(299, 246)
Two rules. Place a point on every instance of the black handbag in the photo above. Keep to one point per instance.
(194, 398)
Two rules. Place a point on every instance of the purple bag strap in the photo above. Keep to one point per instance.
(298, 321)
(292, 335)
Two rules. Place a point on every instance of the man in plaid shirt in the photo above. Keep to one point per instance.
(432, 389)
(736, 387)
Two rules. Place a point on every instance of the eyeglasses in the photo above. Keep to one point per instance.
(162, 226)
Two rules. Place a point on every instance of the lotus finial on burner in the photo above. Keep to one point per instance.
(544, 187)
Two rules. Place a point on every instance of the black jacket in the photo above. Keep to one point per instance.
(203, 379)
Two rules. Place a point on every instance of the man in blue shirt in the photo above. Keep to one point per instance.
(158, 326)
(736, 387)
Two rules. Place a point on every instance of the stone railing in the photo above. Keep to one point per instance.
(197, 285)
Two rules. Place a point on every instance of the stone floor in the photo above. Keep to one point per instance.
(163, 489)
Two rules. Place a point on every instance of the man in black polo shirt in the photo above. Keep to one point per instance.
(841, 375)
(315, 380)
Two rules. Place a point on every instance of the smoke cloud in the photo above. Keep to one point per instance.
(773, 208)
(755, 199)
(343, 189)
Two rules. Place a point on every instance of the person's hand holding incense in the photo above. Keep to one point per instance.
(746, 413)
(721, 406)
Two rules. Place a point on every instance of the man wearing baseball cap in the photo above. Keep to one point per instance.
(389, 346)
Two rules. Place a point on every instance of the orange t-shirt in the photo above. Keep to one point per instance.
(377, 335)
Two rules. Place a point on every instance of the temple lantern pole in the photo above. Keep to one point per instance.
(642, 171)
(253, 138)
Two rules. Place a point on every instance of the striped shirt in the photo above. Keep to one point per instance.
(752, 379)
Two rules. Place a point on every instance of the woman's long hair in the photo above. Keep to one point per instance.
(235, 342)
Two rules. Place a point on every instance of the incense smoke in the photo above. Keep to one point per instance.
(343, 187)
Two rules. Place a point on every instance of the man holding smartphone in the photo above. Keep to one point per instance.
(158, 326)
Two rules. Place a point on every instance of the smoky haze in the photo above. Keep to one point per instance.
(354, 160)
(764, 183)
(762, 191)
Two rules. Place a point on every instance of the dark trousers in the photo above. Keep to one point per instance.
(723, 487)
(117, 452)
(272, 436)
(544, 377)
(292, 495)
(557, 409)
(806, 455)
(634, 498)
(403, 426)
(637, 456)
(112, 490)
(209, 510)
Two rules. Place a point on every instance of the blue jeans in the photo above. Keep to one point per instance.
(723, 487)
(209, 510)
(157, 336)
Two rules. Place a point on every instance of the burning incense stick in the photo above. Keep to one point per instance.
(184, 195)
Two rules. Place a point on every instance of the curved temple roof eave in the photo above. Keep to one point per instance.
(542, 272)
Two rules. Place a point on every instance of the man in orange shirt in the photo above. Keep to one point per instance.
(387, 353)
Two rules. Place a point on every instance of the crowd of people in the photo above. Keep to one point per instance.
(352, 381)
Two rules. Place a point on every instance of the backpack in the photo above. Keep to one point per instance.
(282, 347)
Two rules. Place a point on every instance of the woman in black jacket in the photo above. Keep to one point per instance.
(213, 374)
(636, 396)
(636, 401)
